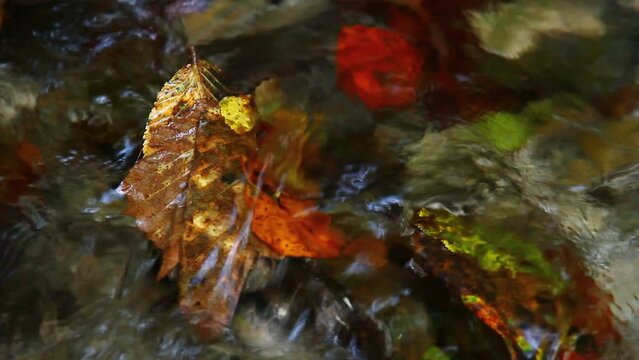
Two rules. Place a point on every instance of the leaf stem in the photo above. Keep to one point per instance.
(194, 57)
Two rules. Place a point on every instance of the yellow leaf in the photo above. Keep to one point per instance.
(238, 113)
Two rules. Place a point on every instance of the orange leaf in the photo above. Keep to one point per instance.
(294, 227)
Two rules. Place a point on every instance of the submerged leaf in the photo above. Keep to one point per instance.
(285, 141)
(186, 193)
(221, 19)
(492, 250)
(379, 66)
(513, 287)
(295, 228)
(512, 28)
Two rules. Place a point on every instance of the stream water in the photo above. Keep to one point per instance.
(493, 186)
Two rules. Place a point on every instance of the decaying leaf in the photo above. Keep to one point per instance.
(286, 140)
(285, 143)
(294, 227)
(187, 195)
(290, 226)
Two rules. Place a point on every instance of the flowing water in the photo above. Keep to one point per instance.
(517, 148)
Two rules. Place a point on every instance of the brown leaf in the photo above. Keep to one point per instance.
(187, 193)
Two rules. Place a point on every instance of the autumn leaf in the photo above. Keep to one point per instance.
(294, 227)
(288, 225)
(187, 192)
(193, 193)
(285, 145)
(378, 66)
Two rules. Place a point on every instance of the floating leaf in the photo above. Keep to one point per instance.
(187, 195)
(368, 250)
(494, 319)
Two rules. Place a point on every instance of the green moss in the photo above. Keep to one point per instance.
(434, 353)
(505, 131)
(494, 249)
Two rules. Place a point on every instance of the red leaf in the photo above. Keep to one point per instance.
(378, 66)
